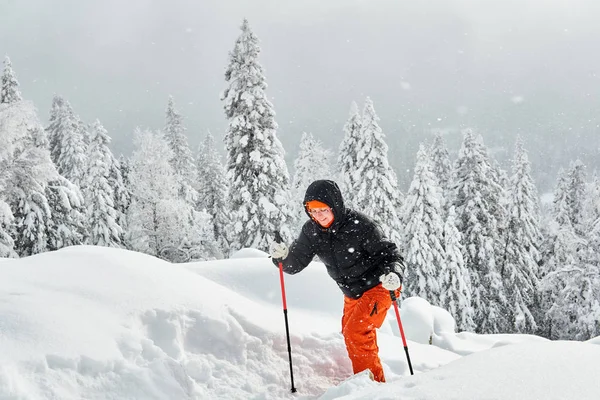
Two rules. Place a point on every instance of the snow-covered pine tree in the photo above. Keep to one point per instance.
(182, 161)
(57, 124)
(157, 217)
(313, 163)
(9, 89)
(575, 311)
(523, 240)
(122, 198)
(259, 179)
(206, 247)
(7, 244)
(558, 251)
(474, 197)
(27, 169)
(377, 193)
(456, 283)
(67, 144)
(423, 234)
(346, 162)
(67, 224)
(212, 187)
(441, 167)
(102, 216)
(576, 195)
(124, 168)
(592, 203)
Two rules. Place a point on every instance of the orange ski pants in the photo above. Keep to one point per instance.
(361, 317)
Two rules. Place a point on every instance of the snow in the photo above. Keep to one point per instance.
(88, 322)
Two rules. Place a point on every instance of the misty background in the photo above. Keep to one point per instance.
(504, 68)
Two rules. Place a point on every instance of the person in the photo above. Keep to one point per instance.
(365, 265)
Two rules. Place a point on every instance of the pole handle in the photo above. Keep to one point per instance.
(277, 237)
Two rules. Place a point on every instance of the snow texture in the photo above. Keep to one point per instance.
(104, 323)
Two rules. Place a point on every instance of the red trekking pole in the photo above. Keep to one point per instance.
(278, 239)
(394, 300)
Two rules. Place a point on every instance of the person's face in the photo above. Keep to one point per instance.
(323, 215)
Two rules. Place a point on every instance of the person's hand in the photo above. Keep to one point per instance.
(390, 281)
(278, 250)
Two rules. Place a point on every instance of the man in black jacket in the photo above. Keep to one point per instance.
(365, 265)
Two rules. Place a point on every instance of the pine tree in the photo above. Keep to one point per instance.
(157, 217)
(67, 144)
(311, 164)
(523, 241)
(122, 197)
(346, 162)
(124, 169)
(456, 283)
(182, 161)
(558, 252)
(256, 169)
(576, 194)
(213, 191)
(7, 244)
(27, 169)
(377, 194)
(67, 224)
(441, 167)
(475, 199)
(9, 91)
(572, 284)
(102, 215)
(206, 247)
(423, 233)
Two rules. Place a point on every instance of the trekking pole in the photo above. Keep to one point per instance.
(278, 239)
(394, 300)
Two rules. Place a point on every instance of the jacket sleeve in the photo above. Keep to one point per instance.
(300, 255)
(383, 252)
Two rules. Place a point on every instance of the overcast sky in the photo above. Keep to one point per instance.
(503, 67)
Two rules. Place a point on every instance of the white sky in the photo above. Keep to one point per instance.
(99, 323)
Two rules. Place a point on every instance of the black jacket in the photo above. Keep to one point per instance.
(353, 248)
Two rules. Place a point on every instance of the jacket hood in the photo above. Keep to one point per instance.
(329, 193)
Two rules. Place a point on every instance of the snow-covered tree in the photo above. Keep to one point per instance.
(206, 246)
(27, 168)
(571, 286)
(57, 124)
(121, 192)
(558, 251)
(9, 89)
(259, 179)
(68, 222)
(571, 289)
(124, 168)
(475, 198)
(67, 144)
(576, 195)
(312, 163)
(182, 161)
(102, 216)
(212, 187)
(456, 283)
(377, 192)
(346, 162)
(7, 244)
(423, 233)
(441, 167)
(157, 217)
(522, 243)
